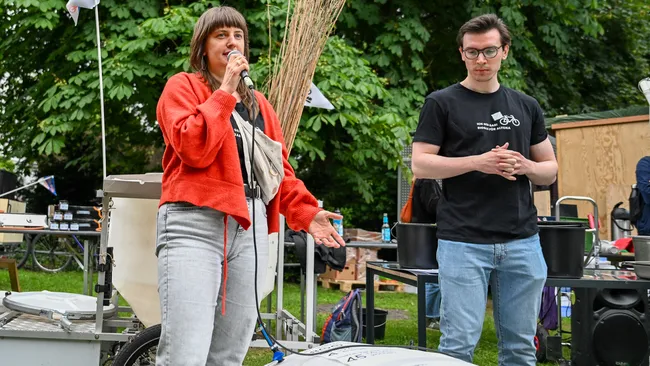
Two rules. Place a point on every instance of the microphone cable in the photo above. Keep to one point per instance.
(273, 343)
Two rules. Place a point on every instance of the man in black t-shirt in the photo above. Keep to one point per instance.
(487, 143)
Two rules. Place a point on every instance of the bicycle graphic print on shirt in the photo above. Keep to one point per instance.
(501, 122)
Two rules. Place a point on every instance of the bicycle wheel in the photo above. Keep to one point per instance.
(141, 351)
(51, 252)
(20, 251)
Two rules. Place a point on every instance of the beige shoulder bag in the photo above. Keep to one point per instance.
(269, 168)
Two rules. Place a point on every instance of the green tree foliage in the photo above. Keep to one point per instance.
(384, 57)
(574, 56)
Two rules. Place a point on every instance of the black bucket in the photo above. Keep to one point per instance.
(380, 323)
(417, 245)
(563, 245)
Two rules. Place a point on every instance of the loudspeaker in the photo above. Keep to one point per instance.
(610, 327)
(8, 182)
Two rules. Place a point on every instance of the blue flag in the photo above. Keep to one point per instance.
(48, 182)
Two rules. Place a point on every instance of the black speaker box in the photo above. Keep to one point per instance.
(8, 182)
(610, 327)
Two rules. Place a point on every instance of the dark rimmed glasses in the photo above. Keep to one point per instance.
(488, 52)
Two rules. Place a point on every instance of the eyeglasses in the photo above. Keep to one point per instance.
(489, 52)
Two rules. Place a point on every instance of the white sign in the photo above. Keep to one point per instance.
(316, 99)
(74, 5)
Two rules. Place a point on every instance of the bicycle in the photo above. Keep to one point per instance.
(20, 251)
(50, 252)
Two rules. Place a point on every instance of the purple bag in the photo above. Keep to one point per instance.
(548, 310)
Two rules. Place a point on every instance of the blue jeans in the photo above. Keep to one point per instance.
(190, 250)
(433, 300)
(516, 272)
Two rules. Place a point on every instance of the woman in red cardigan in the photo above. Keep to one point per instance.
(205, 240)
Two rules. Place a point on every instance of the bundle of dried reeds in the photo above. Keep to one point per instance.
(305, 35)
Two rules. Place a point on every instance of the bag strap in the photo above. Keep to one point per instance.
(348, 298)
(246, 142)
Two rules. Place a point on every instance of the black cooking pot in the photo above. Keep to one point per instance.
(563, 245)
(417, 245)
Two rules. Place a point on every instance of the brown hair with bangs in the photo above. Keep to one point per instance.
(213, 18)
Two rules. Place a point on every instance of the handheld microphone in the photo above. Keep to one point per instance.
(244, 73)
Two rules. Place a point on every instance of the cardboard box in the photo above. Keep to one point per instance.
(350, 253)
(361, 255)
(353, 271)
(366, 255)
(11, 206)
(348, 273)
(361, 271)
(362, 235)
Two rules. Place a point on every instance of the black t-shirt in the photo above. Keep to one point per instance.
(259, 122)
(477, 207)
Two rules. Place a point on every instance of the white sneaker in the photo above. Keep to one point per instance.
(434, 324)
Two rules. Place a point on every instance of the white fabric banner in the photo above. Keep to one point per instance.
(316, 99)
(74, 5)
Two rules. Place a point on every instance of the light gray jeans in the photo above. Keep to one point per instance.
(190, 247)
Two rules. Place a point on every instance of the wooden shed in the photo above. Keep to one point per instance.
(597, 156)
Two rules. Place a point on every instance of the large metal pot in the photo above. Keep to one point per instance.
(563, 248)
(641, 248)
(417, 245)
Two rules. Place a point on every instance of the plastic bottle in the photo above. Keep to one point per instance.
(385, 230)
(338, 223)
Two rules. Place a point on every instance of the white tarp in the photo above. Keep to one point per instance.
(369, 356)
(132, 234)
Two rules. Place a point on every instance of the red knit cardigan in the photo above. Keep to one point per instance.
(201, 162)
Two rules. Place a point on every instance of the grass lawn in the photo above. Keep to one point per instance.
(399, 331)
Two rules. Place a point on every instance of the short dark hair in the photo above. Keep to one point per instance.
(483, 24)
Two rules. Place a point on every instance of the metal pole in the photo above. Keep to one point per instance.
(86, 265)
(101, 275)
(315, 303)
(23, 187)
(280, 281)
(101, 90)
(302, 296)
(309, 284)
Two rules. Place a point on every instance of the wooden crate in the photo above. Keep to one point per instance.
(11, 206)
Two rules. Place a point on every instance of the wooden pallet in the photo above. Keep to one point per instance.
(349, 285)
